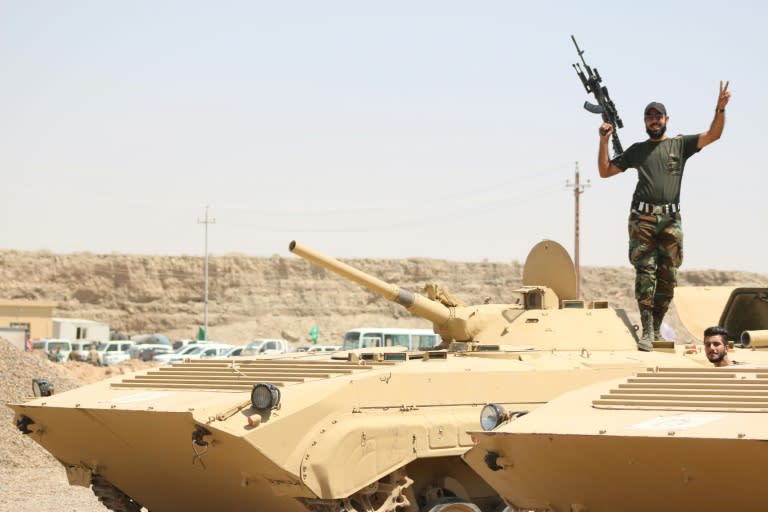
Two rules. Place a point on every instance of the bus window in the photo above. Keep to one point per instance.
(370, 341)
(400, 340)
(424, 341)
(351, 341)
(410, 339)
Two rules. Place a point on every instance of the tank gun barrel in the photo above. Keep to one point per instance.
(417, 304)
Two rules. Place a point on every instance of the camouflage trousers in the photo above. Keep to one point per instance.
(656, 252)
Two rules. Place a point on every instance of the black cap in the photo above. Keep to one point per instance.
(655, 105)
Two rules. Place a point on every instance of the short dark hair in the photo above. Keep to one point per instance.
(716, 330)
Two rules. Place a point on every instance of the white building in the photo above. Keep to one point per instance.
(78, 329)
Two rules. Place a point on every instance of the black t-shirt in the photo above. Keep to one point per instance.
(659, 167)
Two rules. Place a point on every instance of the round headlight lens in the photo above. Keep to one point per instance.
(491, 416)
(265, 396)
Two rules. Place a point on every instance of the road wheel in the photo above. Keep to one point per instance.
(454, 505)
(112, 497)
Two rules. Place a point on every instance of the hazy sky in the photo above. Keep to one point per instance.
(382, 129)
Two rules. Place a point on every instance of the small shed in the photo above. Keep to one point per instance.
(32, 316)
(74, 329)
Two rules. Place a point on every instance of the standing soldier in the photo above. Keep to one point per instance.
(655, 228)
(93, 355)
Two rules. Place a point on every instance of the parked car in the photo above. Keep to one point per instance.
(181, 343)
(234, 352)
(195, 351)
(80, 350)
(57, 350)
(267, 346)
(209, 351)
(148, 351)
(113, 352)
(176, 355)
(177, 344)
(323, 348)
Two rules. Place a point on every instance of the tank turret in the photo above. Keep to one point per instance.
(545, 313)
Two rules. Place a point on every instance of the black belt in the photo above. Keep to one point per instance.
(656, 209)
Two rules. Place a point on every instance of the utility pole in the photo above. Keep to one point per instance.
(578, 189)
(206, 221)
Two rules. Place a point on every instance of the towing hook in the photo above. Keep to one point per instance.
(491, 459)
(23, 424)
(199, 434)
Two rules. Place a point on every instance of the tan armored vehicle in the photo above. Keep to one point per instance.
(369, 430)
(664, 439)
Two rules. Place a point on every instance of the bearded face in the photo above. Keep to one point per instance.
(656, 133)
(715, 357)
(715, 348)
(655, 124)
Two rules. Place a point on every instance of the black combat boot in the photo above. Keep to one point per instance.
(646, 340)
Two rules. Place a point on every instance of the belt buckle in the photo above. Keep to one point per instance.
(657, 210)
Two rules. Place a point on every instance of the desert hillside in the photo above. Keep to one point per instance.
(253, 297)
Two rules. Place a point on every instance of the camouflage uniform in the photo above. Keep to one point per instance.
(655, 228)
(656, 252)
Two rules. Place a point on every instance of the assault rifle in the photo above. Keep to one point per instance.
(605, 106)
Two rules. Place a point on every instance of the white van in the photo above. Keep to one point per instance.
(81, 349)
(113, 352)
(57, 350)
(412, 339)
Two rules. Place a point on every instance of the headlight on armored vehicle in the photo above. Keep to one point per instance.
(492, 415)
(265, 396)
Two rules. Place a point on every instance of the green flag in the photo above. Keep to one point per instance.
(313, 333)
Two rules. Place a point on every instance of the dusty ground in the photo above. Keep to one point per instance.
(30, 479)
(250, 297)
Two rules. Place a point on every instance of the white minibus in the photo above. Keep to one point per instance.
(412, 339)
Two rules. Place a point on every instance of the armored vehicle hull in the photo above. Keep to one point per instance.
(669, 438)
(360, 431)
(364, 435)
